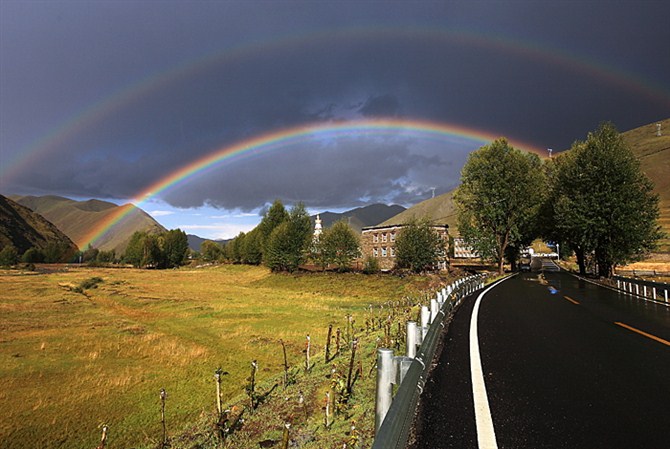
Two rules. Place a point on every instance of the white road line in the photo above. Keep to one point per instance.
(486, 436)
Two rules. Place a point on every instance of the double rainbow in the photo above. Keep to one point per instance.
(284, 139)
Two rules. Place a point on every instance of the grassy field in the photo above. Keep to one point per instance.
(73, 359)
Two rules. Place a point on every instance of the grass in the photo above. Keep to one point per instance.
(75, 359)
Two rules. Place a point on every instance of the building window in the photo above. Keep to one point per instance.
(375, 253)
(383, 252)
(393, 236)
(384, 237)
(392, 251)
(375, 238)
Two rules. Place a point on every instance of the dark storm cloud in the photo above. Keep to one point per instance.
(61, 57)
(380, 106)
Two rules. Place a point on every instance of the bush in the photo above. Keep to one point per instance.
(371, 265)
(9, 256)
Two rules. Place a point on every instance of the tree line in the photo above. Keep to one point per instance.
(593, 200)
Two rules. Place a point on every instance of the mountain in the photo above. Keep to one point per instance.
(439, 210)
(78, 218)
(195, 242)
(654, 154)
(24, 229)
(360, 217)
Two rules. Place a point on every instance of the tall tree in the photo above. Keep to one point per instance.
(602, 202)
(272, 218)
(174, 248)
(419, 247)
(338, 245)
(498, 199)
(287, 245)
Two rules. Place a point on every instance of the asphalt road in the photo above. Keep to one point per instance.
(558, 370)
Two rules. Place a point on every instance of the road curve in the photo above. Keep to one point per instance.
(566, 364)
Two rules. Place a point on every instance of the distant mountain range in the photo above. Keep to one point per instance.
(77, 218)
(361, 217)
(25, 229)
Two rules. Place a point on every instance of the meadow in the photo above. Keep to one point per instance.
(83, 347)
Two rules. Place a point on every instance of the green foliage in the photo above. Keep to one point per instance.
(419, 247)
(174, 248)
(274, 216)
(210, 251)
(338, 245)
(251, 251)
(371, 265)
(90, 255)
(233, 250)
(166, 250)
(33, 255)
(9, 256)
(56, 252)
(106, 256)
(601, 202)
(288, 243)
(499, 199)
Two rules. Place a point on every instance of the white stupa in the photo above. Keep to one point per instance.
(317, 227)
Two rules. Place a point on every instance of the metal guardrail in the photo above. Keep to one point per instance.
(394, 425)
(655, 291)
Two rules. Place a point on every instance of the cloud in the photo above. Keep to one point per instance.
(380, 106)
(161, 213)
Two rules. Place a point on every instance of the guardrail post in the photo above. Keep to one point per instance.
(666, 294)
(637, 289)
(425, 321)
(385, 376)
(401, 366)
(434, 308)
(654, 292)
(644, 290)
(411, 339)
(618, 284)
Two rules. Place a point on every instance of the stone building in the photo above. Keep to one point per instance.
(379, 242)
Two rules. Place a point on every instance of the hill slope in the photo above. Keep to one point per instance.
(24, 229)
(439, 210)
(654, 154)
(360, 217)
(77, 218)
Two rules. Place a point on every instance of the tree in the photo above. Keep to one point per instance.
(251, 251)
(143, 250)
(499, 198)
(33, 255)
(9, 256)
(210, 251)
(419, 247)
(602, 202)
(174, 248)
(272, 218)
(233, 249)
(287, 244)
(338, 245)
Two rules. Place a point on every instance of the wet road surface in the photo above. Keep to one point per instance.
(565, 363)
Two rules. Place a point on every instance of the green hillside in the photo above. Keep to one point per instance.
(654, 154)
(77, 218)
(439, 210)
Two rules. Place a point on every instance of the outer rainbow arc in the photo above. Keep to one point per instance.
(151, 83)
(283, 138)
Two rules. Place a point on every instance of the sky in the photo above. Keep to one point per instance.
(111, 99)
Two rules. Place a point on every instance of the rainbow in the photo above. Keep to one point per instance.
(59, 135)
(285, 138)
